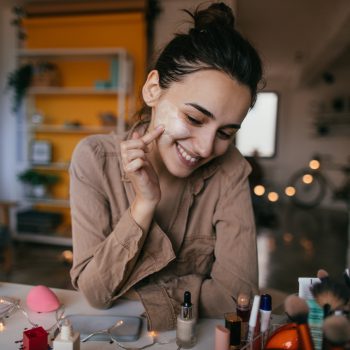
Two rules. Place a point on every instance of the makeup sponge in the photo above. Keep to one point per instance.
(42, 299)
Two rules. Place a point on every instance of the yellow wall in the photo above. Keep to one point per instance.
(116, 30)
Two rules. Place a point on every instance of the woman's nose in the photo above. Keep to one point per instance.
(204, 143)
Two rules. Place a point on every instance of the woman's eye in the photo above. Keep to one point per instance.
(223, 135)
(193, 121)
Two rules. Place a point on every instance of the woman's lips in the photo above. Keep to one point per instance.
(186, 158)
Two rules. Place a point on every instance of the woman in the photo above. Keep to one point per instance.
(166, 207)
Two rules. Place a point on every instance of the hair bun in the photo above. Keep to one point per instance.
(217, 14)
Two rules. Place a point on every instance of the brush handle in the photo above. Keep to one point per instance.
(306, 342)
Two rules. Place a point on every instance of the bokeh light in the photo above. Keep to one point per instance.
(314, 164)
(308, 178)
(259, 190)
(273, 196)
(290, 191)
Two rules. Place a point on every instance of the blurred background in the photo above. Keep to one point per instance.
(73, 68)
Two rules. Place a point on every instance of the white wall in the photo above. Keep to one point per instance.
(8, 161)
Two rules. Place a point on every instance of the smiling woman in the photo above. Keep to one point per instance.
(166, 207)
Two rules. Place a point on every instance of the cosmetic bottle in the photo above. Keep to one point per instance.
(185, 329)
(67, 339)
(233, 324)
(243, 311)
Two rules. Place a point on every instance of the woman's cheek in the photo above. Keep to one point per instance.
(168, 115)
(221, 147)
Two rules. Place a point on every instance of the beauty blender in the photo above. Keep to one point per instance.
(42, 299)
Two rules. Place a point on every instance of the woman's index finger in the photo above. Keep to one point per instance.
(152, 135)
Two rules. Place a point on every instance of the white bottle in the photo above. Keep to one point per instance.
(185, 329)
(67, 339)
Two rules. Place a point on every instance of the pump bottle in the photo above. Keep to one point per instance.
(67, 339)
(185, 330)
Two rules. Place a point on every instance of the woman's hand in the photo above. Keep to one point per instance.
(142, 175)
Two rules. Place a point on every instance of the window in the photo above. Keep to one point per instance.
(258, 132)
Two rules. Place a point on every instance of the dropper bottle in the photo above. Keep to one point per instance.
(185, 330)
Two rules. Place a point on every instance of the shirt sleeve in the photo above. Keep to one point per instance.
(235, 268)
(108, 260)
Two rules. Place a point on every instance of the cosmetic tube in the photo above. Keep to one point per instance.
(185, 326)
(265, 315)
(265, 312)
(253, 318)
(222, 338)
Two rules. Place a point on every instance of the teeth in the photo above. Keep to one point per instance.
(186, 155)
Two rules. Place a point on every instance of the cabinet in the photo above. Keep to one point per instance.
(90, 85)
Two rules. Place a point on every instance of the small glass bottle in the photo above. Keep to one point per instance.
(185, 329)
(67, 339)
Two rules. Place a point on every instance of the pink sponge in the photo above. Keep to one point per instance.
(42, 299)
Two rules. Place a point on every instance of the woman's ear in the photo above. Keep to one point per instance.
(151, 89)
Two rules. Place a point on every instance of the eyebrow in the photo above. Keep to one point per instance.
(210, 114)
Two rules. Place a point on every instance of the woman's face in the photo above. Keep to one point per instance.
(201, 115)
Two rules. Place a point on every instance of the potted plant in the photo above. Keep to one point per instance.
(37, 183)
(20, 80)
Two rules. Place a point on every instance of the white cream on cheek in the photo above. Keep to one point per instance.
(167, 114)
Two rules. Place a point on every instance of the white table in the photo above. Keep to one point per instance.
(76, 304)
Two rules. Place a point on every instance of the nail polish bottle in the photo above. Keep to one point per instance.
(185, 329)
(67, 339)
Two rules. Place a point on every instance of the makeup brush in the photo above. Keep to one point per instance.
(336, 330)
(298, 311)
(330, 295)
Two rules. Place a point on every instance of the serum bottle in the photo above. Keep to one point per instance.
(185, 330)
(67, 339)
(243, 311)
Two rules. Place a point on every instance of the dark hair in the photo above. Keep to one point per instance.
(213, 43)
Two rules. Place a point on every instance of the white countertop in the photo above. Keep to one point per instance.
(75, 304)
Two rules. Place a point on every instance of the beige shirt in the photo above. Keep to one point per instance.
(209, 247)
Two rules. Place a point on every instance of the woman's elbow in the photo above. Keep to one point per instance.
(95, 298)
(99, 304)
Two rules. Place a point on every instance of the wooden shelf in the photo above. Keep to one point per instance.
(331, 119)
(81, 53)
(72, 129)
(56, 90)
(116, 88)
(51, 166)
(41, 238)
(54, 202)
